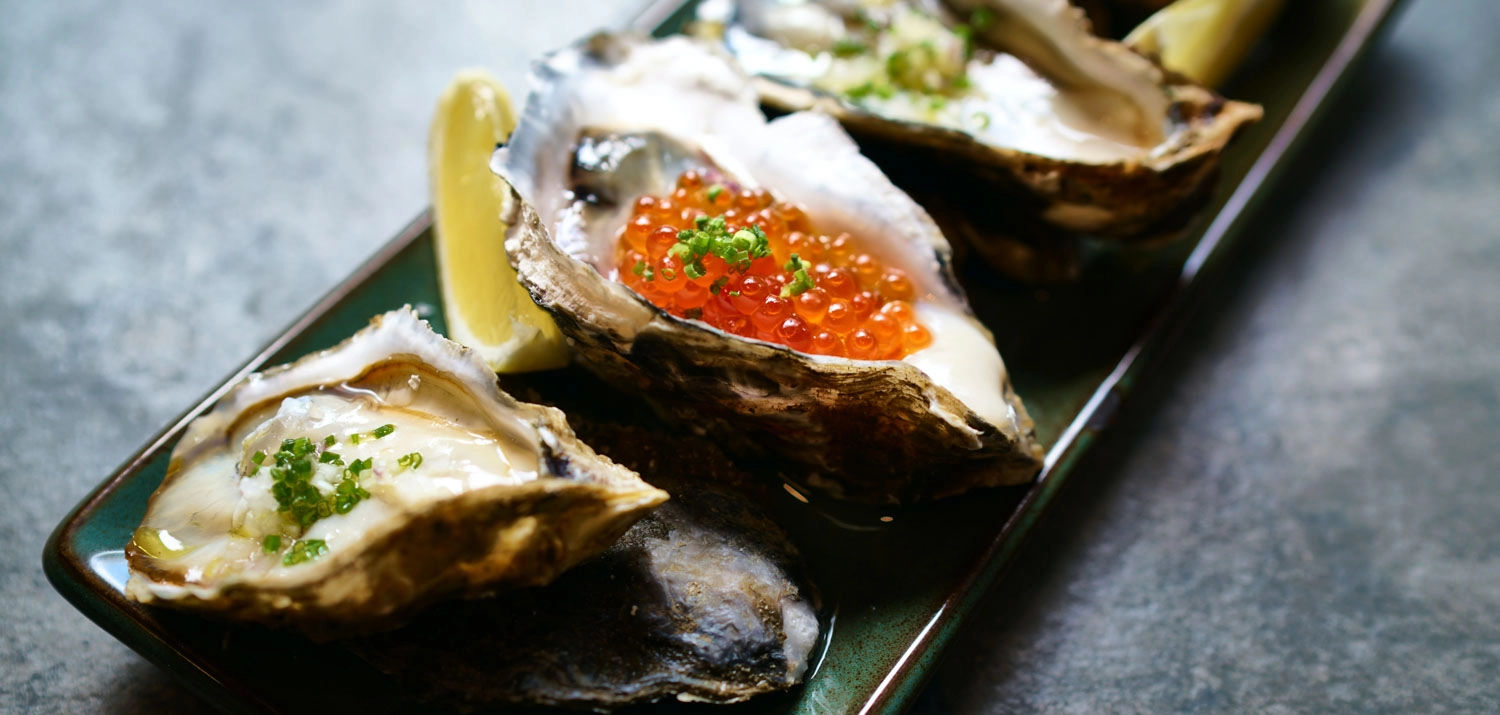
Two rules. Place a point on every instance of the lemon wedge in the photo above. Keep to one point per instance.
(486, 308)
(1204, 39)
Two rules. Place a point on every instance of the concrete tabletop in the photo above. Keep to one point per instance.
(1296, 513)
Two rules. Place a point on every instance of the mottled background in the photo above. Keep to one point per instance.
(1297, 512)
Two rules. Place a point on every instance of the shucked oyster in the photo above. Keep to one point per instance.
(339, 492)
(617, 119)
(1092, 137)
(700, 600)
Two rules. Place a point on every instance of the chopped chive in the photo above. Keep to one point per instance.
(329, 441)
(304, 550)
(384, 430)
(359, 465)
(330, 458)
(639, 269)
(354, 438)
(897, 63)
(714, 191)
(718, 284)
(410, 461)
(801, 280)
(258, 457)
(846, 47)
(272, 543)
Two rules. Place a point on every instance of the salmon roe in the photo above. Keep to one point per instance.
(748, 264)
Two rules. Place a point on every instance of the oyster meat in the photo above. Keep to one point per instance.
(701, 600)
(615, 118)
(1068, 131)
(340, 492)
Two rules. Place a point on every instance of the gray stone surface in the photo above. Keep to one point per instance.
(179, 181)
(1298, 514)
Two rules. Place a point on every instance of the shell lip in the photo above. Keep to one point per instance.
(1228, 119)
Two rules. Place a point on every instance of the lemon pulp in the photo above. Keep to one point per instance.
(1204, 39)
(487, 309)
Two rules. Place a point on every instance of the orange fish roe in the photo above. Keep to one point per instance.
(750, 265)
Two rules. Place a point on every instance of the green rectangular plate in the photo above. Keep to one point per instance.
(895, 584)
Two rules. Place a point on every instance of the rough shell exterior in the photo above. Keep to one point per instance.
(873, 431)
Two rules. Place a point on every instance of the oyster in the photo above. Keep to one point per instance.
(339, 492)
(615, 118)
(700, 600)
(1070, 133)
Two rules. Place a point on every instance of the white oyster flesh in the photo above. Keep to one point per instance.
(804, 157)
(1078, 99)
(462, 489)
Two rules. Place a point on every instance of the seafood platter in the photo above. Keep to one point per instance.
(728, 370)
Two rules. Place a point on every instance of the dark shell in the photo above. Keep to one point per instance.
(693, 603)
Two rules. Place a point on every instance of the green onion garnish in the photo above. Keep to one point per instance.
(801, 280)
(304, 550)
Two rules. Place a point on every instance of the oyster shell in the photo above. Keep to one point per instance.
(701, 600)
(1079, 134)
(503, 495)
(614, 118)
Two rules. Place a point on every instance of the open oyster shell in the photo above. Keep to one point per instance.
(504, 494)
(942, 420)
(1071, 132)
